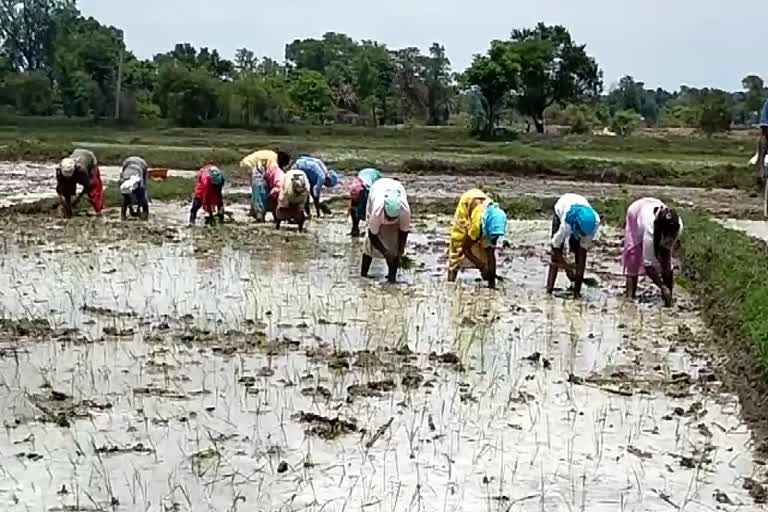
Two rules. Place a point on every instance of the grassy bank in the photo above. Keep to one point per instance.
(726, 271)
(668, 159)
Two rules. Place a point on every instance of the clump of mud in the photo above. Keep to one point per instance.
(326, 428)
(371, 390)
(449, 359)
(60, 409)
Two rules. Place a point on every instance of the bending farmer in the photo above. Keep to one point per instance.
(389, 222)
(477, 226)
(319, 176)
(293, 195)
(577, 224)
(256, 165)
(650, 233)
(208, 194)
(79, 168)
(358, 196)
(134, 178)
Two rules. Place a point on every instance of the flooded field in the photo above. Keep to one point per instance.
(25, 182)
(160, 367)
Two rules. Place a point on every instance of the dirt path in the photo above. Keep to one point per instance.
(240, 368)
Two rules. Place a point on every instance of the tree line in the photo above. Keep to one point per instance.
(55, 61)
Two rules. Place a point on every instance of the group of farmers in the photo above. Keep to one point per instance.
(287, 189)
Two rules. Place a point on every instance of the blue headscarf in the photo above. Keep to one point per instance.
(333, 178)
(392, 204)
(583, 221)
(494, 223)
(217, 177)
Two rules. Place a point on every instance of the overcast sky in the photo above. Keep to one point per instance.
(665, 43)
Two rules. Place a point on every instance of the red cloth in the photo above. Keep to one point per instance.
(206, 191)
(96, 194)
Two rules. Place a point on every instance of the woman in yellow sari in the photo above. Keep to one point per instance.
(477, 226)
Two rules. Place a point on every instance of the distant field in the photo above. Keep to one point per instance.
(652, 157)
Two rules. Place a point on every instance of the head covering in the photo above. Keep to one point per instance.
(217, 177)
(68, 166)
(583, 220)
(392, 204)
(494, 222)
(298, 182)
(333, 178)
(667, 223)
(356, 189)
(130, 185)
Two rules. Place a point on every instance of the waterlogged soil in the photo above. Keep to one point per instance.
(151, 366)
(25, 182)
(28, 182)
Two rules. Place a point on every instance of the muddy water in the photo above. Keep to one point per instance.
(23, 182)
(237, 331)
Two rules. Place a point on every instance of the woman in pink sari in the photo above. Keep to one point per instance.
(650, 233)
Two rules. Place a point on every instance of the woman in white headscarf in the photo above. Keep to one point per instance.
(292, 198)
(79, 168)
(389, 222)
(134, 179)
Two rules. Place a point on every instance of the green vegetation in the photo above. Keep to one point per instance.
(55, 61)
(719, 161)
(726, 270)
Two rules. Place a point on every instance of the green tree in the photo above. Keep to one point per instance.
(374, 74)
(139, 75)
(29, 31)
(494, 76)
(581, 118)
(245, 61)
(552, 70)
(320, 54)
(437, 78)
(87, 60)
(270, 67)
(754, 87)
(625, 122)
(188, 96)
(310, 92)
(714, 112)
(632, 95)
(252, 99)
(31, 93)
(412, 94)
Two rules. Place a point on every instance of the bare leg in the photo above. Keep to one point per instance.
(66, 206)
(581, 265)
(392, 270)
(365, 266)
(552, 278)
(631, 286)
